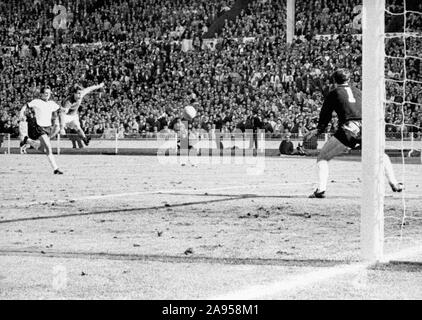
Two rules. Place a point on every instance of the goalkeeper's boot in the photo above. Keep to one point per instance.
(318, 194)
(58, 171)
(396, 187)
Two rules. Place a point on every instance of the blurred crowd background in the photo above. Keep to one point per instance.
(227, 58)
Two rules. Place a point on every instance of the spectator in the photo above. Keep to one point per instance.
(286, 145)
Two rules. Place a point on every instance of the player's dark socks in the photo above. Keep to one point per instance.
(317, 194)
(58, 171)
(396, 187)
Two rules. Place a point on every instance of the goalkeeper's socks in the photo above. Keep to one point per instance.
(322, 174)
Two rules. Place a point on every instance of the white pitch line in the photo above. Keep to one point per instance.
(128, 194)
(302, 280)
(290, 283)
(407, 196)
(171, 191)
(190, 191)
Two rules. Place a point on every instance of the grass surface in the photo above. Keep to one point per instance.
(144, 228)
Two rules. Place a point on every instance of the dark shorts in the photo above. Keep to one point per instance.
(35, 131)
(350, 134)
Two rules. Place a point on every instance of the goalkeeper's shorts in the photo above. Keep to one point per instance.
(350, 134)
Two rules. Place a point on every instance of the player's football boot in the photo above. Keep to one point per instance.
(58, 171)
(23, 146)
(22, 149)
(318, 194)
(87, 140)
(396, 187)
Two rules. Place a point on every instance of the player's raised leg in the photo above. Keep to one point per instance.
(23, 136)
(391, 177)
(26, 128)
(81, 133)
(28, 142)
(62, 122)
(72, 122)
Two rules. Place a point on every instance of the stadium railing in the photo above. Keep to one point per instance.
(151, 143)
(5, 143)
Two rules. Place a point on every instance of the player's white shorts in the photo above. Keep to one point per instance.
(71, 121)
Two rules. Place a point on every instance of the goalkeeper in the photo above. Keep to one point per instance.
(346, 101)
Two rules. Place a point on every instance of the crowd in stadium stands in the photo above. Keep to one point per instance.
(327, 17)
(88, 21)
(259, 18)
(236, 85)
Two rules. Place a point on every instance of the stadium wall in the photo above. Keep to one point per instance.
(152, 146)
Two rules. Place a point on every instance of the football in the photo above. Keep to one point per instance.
(189, 113)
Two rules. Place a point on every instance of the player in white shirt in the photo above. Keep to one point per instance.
(44, 111)
(69, 117)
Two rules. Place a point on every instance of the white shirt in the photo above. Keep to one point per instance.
(43, 110)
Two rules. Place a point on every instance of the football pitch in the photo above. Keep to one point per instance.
(145, 227)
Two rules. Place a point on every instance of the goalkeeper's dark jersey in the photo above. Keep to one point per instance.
(346, 101)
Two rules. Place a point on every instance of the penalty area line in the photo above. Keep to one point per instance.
(301, 280)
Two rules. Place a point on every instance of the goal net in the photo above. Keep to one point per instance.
(392, 114)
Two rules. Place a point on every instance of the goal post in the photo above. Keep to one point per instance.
(373, 130)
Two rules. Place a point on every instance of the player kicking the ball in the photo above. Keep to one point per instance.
(346, 101)
(69, 117)
(40, 123)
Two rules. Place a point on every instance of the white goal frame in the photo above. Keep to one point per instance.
(373, 130)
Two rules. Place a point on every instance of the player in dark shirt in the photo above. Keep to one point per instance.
(346, 102)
